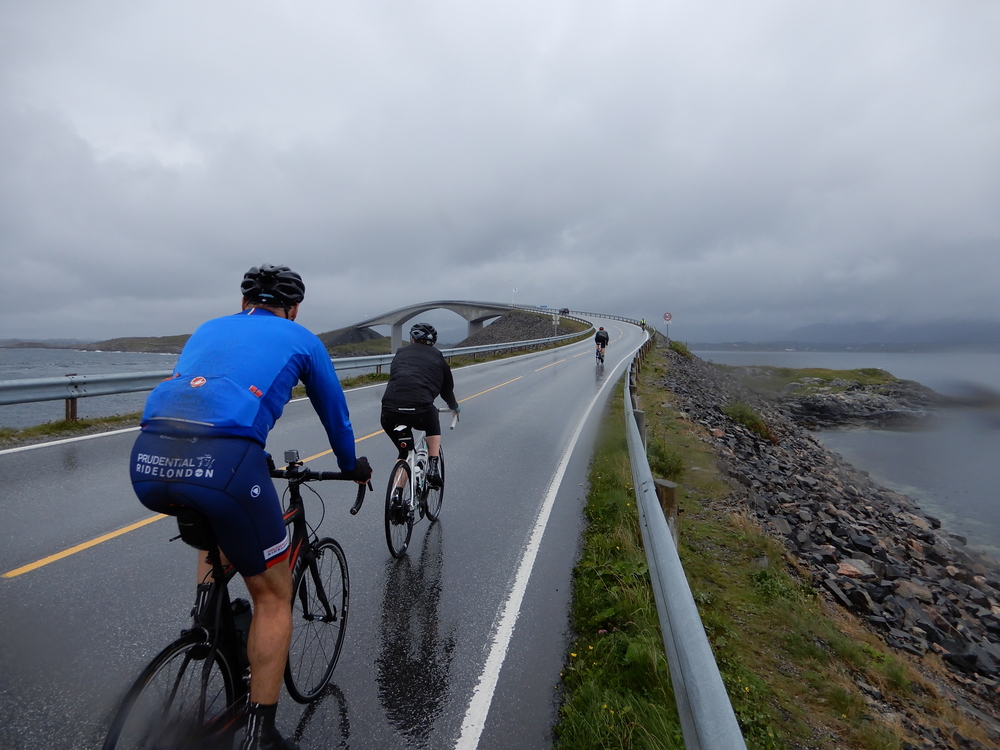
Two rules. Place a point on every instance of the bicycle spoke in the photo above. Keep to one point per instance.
(319, 618)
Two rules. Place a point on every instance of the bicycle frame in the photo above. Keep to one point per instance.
(418, 459)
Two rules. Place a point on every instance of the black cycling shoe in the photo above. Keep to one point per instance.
(434, 474)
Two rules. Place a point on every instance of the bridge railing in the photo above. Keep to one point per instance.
(73, 387)
(706, 714)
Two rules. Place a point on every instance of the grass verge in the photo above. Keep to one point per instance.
(799, 673)
(10, 437)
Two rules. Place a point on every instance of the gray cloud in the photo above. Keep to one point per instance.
(750, 169)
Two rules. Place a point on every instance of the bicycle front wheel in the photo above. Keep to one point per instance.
(398, 509)
(433, 497)
(319, 620)
(181, 700)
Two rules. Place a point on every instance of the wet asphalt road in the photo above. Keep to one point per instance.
(76, 631)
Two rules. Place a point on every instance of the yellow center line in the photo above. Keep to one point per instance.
(582, 353)
(490, 389)
(80, 547)
(111, 535)
(550, 365)
(330, 450)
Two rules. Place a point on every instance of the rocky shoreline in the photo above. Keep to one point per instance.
(870, 550)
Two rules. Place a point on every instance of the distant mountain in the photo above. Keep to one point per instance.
(880, 336)
(151, 344)
(39, 344)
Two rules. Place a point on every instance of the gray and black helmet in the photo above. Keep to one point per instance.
(424, 332)
(274, 286)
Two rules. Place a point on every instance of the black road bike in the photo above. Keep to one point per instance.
(409, 496)
(194, 694)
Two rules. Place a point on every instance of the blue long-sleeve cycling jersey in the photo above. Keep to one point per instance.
(235, 375)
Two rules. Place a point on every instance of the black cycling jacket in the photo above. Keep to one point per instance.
(602, 337)
(418, 374)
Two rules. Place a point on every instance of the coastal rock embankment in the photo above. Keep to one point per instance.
(818, 403)
(869, 549)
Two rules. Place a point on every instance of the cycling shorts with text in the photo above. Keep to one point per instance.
(228, 480)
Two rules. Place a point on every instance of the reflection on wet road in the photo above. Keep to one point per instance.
(414, 657)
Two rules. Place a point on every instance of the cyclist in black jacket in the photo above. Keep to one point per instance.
(418, 375)
(601, 338)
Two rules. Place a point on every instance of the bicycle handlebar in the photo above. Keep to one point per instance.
(298, 474)
(454, 417)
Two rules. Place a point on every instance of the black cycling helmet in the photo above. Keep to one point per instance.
(424, 332)
(274, 286)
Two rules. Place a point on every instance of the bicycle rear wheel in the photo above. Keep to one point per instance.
(322, 591)
(180, 701)
(398, 510)
(433, 497)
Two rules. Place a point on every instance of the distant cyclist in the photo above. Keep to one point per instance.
(418, 375)
(601, 338)
(202, 447)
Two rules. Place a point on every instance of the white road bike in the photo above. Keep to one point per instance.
(409, 496)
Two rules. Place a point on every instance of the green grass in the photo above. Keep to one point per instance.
(63, 428)
(362, 348)
(616, 677)
(788, 659)
(773, 379)
(681, 348)
(746, 416)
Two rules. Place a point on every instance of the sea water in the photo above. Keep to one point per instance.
(951, 467)
(19, 364)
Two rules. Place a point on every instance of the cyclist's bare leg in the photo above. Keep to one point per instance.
(433, 444)
(270, 631)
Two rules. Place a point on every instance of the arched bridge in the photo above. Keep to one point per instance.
(475, 312)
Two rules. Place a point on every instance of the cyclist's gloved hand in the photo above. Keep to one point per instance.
(362, 471)
(457, 409)
(270, 461)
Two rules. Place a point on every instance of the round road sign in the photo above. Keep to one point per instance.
(667, 316)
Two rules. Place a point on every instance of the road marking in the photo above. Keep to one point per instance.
(582, 353)
(482, 695)
(93, 542)
(462, 401)
(550, 365)
(67, 440)
(330, 450)
(80, 547)
(86, 545)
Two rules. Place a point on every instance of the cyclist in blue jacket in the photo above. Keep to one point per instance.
(202, 447)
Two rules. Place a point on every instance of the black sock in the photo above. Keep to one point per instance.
(260, 721)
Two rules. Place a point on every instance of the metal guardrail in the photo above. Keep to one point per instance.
(72, 387)
(706, 714)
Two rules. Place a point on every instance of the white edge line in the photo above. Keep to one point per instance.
(120, 432)
(482, 695)
(67, 440)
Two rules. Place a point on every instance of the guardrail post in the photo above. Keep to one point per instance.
(71, 409)
(640, 422)
(666, 493)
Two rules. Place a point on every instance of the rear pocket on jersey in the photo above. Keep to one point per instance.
(213, 402)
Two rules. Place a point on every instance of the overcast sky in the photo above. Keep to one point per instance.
(749, 167)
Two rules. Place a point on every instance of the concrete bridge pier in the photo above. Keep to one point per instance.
(397, 335)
